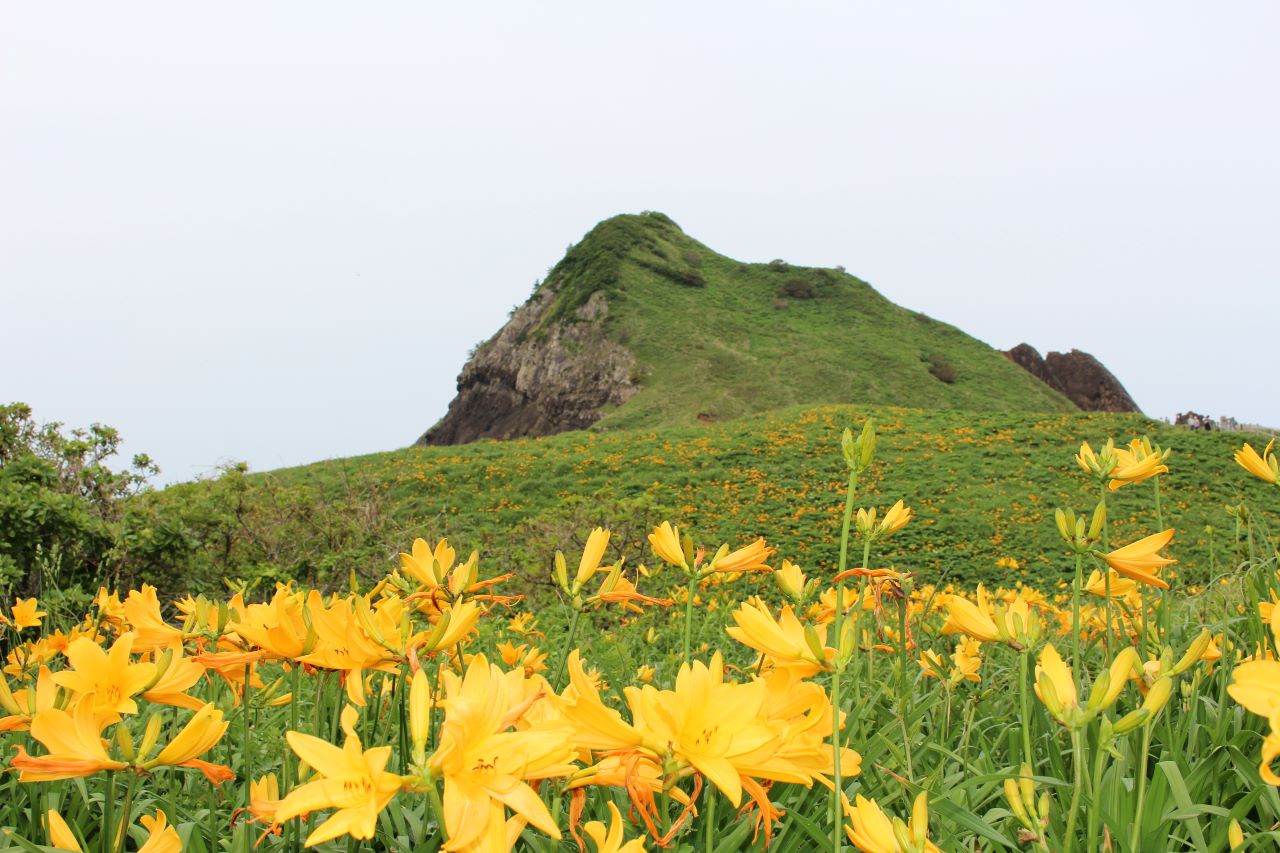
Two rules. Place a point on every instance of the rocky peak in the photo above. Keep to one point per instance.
(1078, 376)
(538, 376)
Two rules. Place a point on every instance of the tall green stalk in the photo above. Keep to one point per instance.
(837, 837)
(567, 646)
(1136, 832)
(1024, 659)
(688, 615)
(1077, 764)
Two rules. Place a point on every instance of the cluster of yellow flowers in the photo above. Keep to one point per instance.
(425, 713)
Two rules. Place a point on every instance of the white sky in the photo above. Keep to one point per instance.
(270, 231)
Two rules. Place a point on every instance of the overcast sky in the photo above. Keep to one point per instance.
(271, 231)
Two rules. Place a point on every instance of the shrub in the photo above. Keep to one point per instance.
(692, 258)
(798, 288)
(942, 369)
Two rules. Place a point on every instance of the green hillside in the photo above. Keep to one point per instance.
(984, 487)
(715, 338)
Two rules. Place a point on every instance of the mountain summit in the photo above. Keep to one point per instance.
(640, 325)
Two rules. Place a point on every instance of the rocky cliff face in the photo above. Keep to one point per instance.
(1079, 376)
(538, 377)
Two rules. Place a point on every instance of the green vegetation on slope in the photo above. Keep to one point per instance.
(715, 338)
(984, 487)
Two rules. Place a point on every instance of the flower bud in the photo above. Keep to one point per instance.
(1066, 521)
(1130, 721)
(1158, 695)
(125, 742)
(562, 572)
(1235, 835)
(1099, 520)
(1193, 653)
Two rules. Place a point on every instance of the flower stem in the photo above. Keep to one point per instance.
(567, 646)
(711, 818)
(688, 615)
(1024, 659)
(1077, 763)
(836, 740)
(1136, 832)
(1075, 610)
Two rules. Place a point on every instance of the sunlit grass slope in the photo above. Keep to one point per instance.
(715, 338)
(984, 487)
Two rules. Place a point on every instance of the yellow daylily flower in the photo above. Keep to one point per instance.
(612, 840)
(665, 541)
(75, 749)
(1137, 463)
(352, 780)
(748, 558)
(783, 641)
(60, 835)
(872, 831)
(196, 738)
(1056, 686)
(26, 613)
(1141, 561)
(109, 678)
(592, 554)
(161, 837)
(1121, 586)
(1265, 467)
(487, 767)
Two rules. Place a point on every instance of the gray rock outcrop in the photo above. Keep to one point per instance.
(538, 378)
(1080, 377)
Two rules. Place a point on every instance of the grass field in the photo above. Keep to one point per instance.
(717, 701)
(984, 486)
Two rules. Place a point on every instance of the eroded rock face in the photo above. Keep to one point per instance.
(1079, 376)
(532, 379)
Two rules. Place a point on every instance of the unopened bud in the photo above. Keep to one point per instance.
(1098, 522)
(562, 572)
(1193, 653)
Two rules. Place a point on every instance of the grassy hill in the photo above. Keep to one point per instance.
(712, 339)
(984, 487)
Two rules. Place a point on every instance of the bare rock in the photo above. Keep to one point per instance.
(1080, 377)
(538, 378)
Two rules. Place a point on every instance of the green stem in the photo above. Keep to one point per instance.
(688, 616)
(836, 740)
(711, 819)
(1095, 806)
(1024, 659)
(437, 808)
(1077, 762)
(1164, 594)
(1075, 610)
(567, 646)
(295, 839)
(108, 812)
(245, 746)
(1136, 832)
(122, 829)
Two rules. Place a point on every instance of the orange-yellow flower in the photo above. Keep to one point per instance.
(1137, 463)
(352, 780)
(1265, 467)
(196, 738)
(60, 835)
(75, 749)
(1141, 560)
(872, 831)
(748, 558)
(665, 540)
(611, 841)
(485, 766)
(161, 837)
(26, 613)
(108, 678)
